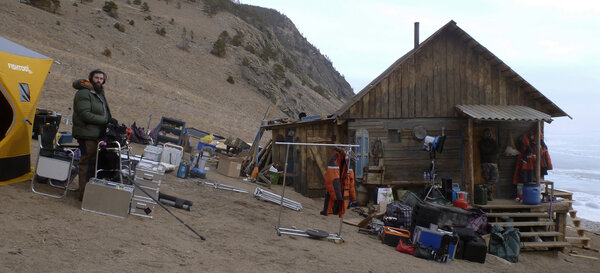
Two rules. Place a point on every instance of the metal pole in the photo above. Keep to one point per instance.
(287, 151)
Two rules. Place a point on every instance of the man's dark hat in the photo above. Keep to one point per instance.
(95, 71)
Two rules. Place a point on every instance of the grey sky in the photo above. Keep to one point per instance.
(554, 45)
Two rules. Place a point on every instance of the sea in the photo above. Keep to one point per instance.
(576, 161)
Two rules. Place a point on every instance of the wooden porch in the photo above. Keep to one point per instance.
(542, 227)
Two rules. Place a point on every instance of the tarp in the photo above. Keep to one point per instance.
(22, 75)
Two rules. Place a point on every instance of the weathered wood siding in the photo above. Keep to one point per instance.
(404, 158)
(309, 161)
(443, 73)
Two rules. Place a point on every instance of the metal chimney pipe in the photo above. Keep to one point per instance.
(416, 34)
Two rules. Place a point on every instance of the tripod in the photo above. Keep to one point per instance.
(433, 187)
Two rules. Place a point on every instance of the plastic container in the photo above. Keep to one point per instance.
(201, 163)
(531, 194)
(274, 177)
(460, 202)
(153, 153)
(480, 195)
(183, 170)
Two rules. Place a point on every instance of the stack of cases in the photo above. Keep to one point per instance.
(148, 175)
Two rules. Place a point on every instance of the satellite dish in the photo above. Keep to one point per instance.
(419, 132)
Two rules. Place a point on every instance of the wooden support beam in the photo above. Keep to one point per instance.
(471, 167)
(538, 145)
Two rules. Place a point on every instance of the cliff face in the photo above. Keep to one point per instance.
(166, 60)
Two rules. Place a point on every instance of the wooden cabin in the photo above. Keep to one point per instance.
(448, 83)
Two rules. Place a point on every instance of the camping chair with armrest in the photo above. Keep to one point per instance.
(56, 163)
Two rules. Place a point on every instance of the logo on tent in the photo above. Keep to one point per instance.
(23, 68)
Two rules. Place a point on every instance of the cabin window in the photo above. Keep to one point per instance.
(393, 135)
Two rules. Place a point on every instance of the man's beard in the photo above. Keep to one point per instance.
(98, 88)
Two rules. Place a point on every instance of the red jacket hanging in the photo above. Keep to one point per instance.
(525, 167)
(339, 185)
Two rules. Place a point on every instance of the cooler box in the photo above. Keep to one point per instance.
(391, 236)
(107, 197)
(433, 238)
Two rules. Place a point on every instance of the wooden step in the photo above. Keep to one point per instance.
(563, 194)
(576, 221)
(578, 240)
(572, 213)
(506, 206)
(534, 245)
(518, 214)
(522, 224)
(541, 233)
(580, 231)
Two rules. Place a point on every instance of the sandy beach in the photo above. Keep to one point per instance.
(43, 234)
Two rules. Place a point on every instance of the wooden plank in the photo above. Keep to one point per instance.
(583, 256)
(524, 224)
(452, 68)
(365, 105)
(541, 234)
(385, 92)
(377, 101)
(558, 244)
(398, 91)
(502, 90)
(440, 98)
(392, 94)
(406, 85)
(373, 101)
(412, 89)
(518, 214)
(471, 182)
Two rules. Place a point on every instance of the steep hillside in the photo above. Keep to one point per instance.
(159, 61)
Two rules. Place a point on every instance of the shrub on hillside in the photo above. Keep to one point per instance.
(111, 9)
(161, 31)
(47, 5)
(137, 2)
(268, 53)
(322, 91)
(219, 45)
(107, 53)
(145, 7)
(245, 61)
(148, 18)
(218, 48)
(131, 22)
(236, 40)
(212, 7)
(230, 80)
(250, 49)
(279, 71)
(120, 27)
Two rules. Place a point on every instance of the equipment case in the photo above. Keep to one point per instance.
(107, 197)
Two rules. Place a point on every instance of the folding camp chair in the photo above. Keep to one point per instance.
(55, 163)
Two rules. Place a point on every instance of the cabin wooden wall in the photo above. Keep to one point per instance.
(309, 162)
(443, 73)
(404, 157)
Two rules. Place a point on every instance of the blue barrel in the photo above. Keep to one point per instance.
(531, 194)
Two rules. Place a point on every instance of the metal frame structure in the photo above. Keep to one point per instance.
(53, 169)
(298, 232)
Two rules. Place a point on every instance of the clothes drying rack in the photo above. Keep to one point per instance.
(313, 233)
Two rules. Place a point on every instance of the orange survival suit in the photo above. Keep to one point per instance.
(339, 185)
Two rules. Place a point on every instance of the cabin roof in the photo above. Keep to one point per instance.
(553, 109)
(503, 113)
